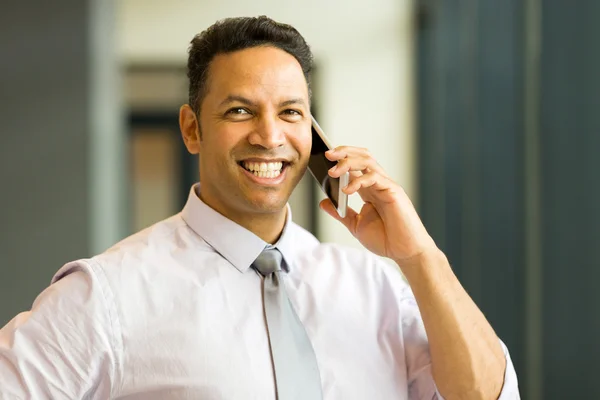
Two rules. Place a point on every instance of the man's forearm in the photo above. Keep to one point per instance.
(466, 355)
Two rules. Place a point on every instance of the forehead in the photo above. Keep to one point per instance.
(256, 72)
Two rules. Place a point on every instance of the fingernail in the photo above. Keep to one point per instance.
(332, 168)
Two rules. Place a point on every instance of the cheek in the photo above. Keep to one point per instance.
(302, 142)
(220, 144)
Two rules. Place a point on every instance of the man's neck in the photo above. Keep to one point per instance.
(267, 226)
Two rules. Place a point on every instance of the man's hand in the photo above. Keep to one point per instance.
(467, 359)
(388, 224)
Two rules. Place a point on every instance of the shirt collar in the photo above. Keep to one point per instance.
(235, 243)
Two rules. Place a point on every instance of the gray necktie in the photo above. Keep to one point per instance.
(296, 371)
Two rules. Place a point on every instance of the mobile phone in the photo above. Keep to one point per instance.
(319, 166)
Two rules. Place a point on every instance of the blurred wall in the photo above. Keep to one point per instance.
(363, 53)
(568, 121)
(58, 199)
(509, 139)
(471, 164)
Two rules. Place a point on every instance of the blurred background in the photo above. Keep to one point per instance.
(485, 111)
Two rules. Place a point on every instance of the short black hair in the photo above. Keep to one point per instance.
(233, 34)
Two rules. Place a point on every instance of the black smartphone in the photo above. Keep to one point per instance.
(319, 166)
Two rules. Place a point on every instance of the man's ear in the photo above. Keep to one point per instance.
(190, 129)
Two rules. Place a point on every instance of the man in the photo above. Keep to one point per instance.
(229, 299)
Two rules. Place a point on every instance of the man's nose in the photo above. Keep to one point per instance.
(268, 133)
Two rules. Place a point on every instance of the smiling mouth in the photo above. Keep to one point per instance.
(264, 169)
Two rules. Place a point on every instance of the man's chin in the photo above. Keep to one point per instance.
(267, 204)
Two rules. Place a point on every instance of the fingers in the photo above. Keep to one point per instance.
(353, 165)
(367, 177)
(345, 151)
(353, 160)
(371, 179)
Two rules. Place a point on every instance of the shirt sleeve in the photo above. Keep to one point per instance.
(63, 348)
(421, 385)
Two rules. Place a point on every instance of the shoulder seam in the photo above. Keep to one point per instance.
(115, 323)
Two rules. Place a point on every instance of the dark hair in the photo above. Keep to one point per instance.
(233, 34)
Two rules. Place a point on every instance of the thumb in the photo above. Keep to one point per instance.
(349, 221)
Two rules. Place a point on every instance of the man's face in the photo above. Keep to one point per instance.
(255, 128)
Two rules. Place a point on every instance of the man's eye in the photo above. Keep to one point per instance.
(292, 112)
(238, 111)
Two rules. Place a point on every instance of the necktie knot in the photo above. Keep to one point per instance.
(268, 262)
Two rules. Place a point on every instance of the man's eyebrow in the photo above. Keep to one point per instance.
(297, 100)
(236, 98)
(241, 99)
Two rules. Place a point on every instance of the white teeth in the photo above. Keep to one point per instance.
(263, 169)
(267, 174)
